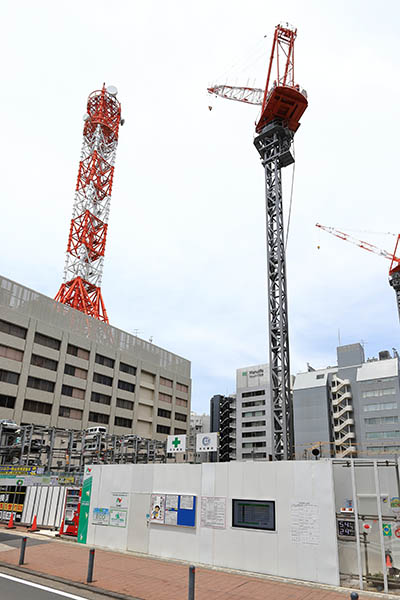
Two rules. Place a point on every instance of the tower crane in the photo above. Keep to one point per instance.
(394, 270)
(282, 105)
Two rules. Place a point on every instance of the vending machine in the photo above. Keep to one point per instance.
(71, 511)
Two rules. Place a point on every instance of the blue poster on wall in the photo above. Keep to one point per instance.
(187, 511)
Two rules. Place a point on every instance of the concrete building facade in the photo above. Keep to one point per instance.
(253, 407)
(59, 367)
(351, 409)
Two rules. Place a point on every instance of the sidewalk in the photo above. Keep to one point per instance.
(151, 579)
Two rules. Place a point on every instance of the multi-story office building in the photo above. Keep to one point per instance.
(59, 367)
(253, 407)
(352, 409)
(223, 420)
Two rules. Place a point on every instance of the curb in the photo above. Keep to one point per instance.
(77, 584)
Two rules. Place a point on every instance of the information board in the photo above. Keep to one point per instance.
(213, 511)
(173, 509)
(254, 514)
(346, 528)
(305, 527)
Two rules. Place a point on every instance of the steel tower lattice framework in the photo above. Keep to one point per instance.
(87, 237)
(274, 148)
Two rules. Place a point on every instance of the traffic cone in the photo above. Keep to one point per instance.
(11, 522)
(61, 530)
(34, 526)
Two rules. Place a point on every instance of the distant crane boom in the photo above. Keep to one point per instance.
(394, 270)
(349, 238)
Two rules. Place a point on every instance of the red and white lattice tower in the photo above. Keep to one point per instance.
(87, 237)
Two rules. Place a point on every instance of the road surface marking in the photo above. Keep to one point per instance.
(43, 587)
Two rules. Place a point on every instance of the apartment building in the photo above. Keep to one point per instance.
(59, 367)
(351, 409)
(223, 420)
(253, 407)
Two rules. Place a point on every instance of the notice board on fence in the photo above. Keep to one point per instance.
(173, 509)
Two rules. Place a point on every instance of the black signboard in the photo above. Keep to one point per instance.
(346, 528)
(254, 514)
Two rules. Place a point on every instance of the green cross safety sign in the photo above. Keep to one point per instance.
(176, 442)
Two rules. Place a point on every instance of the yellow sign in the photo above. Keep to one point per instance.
(11, 506)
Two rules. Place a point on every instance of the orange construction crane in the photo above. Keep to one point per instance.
(283, 103)
(394, 270)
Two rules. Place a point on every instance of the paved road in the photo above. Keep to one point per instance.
(14, 588)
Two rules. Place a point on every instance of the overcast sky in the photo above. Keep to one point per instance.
(186, 257)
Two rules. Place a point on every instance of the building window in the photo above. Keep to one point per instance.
(381, 420)
(372, 393)
(37, 407)
(12, 329)
(11, 353)
(254, 444)
(98, 418)
(46, 340)
(101, 398)
(103, 379)
(70, 413)
(254, 424)
(7, 401)
(253, 403)
(181, 402)
(254, 413)
(127, 404)
(127, 368)
(68, 390)
(320, 376)
(147, 377)
(381, 449)
(252, 394)
(380, 406)
(381, 434)
(105, 361)
(163, 429)
(248, 434)
(178, 431)
(162, 412)
(79, 352)
(180, 417)
(9, 377)
(44, 363)
(165, 397)
(40, 384)
(124, 385)
(166, 382)
(75, 371)
(181, 387)
(121, 422)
